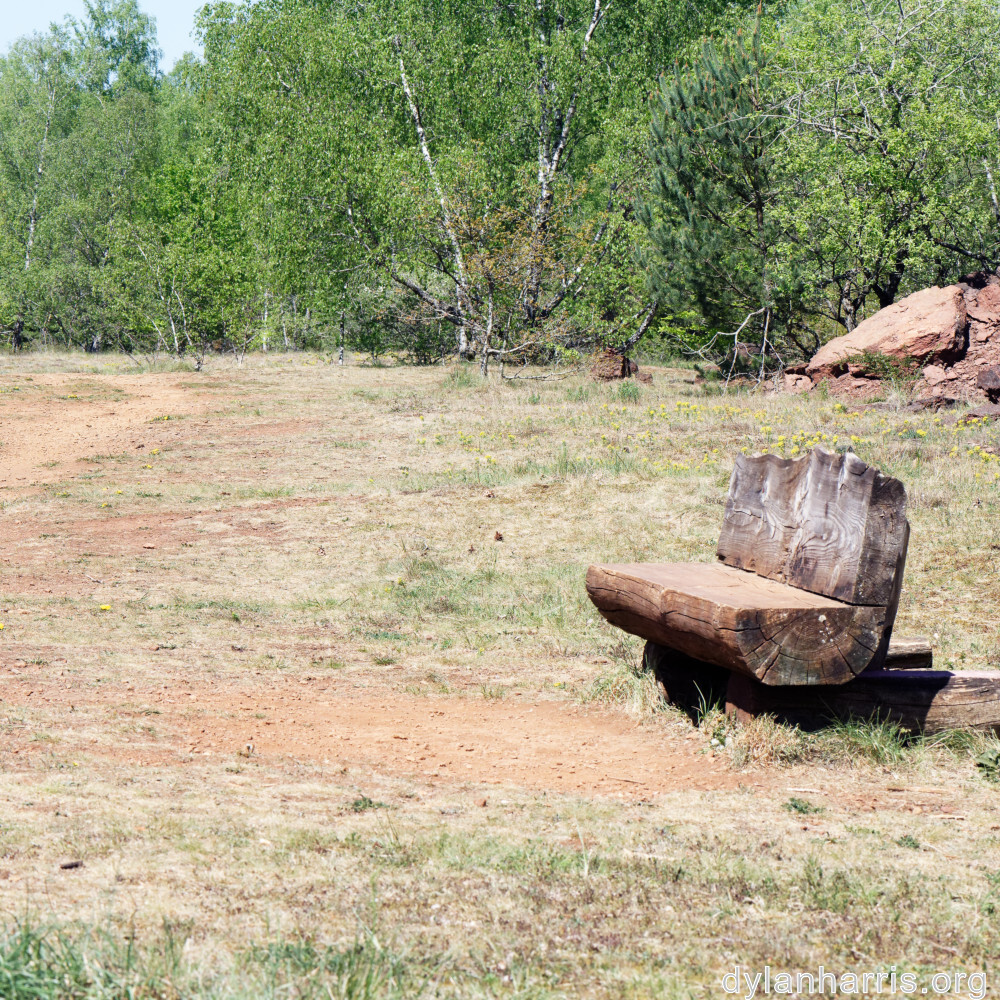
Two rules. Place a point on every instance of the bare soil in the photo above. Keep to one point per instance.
(97, 414)
(536, 745)
(312, 658)
(529, 743)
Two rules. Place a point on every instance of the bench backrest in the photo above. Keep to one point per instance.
(826, 522)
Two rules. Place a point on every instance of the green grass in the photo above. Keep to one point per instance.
(802, 807)
(628, 391)
(544, 892)
(363, 803)
(881, 743)
(56, 963)
(628, 684)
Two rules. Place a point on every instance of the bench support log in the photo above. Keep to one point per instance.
(908, 653)
(919, 700)
(928, 701)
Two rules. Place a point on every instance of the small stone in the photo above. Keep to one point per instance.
(989, 379)
(797, 383)
(934, 375)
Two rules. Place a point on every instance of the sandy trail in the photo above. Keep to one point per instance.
(46, 432)
(533, 744)
(538, 745)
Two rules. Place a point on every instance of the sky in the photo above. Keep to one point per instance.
(174, 21)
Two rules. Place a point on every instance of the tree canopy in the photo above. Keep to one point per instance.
(840, 157)
(507, 182)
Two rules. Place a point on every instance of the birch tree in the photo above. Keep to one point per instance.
(38, 105)
(480, 159)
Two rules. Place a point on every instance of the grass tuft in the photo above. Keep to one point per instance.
(881, 743)
(988, 764)
(765, 742)
(803, 807)
(39, 963)
(628, 685)
(363, 803)
(628, 391)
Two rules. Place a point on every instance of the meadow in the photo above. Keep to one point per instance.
(303, 695)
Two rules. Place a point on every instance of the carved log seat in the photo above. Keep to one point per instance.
(805, 591)
(802, 599)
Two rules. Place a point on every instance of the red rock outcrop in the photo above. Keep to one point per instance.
(948, 337)
(609, 365)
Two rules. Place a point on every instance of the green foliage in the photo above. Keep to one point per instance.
(363, 804)
(710, 209)
(475, 163)
(116, 46)
(802, 807)
(474, 177)
(891, 171)
(887, 368)
(843, 156)
(628, 391)
(988, 764)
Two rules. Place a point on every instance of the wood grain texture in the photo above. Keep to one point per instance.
(724, 616)
(908, 653)
(930, 701)
(827, 523)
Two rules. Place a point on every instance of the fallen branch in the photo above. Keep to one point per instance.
(549, 377)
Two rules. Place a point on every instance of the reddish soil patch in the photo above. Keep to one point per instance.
(540, 745)
(47, 431)
(544, 746)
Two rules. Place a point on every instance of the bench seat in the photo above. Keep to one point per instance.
(718, 614)
(795, 618)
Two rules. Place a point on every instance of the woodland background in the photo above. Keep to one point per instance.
(520, 181)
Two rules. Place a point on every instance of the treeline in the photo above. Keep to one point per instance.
(512, 182)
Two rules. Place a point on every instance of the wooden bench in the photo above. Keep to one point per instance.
(796, 616)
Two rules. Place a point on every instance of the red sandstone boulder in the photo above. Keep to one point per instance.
(609, 365)
(928, 326)
(797, 383)
(984, 314)
(947, 338)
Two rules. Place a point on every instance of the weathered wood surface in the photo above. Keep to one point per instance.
(921, 700)
(908, 653)
(827, 523)
(717, 614)
(929, 701)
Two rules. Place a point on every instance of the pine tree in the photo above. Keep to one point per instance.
(708, 210)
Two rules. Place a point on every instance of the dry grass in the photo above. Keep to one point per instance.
(309, 521)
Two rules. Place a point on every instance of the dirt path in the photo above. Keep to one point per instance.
(540, 745)
(55, 422)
